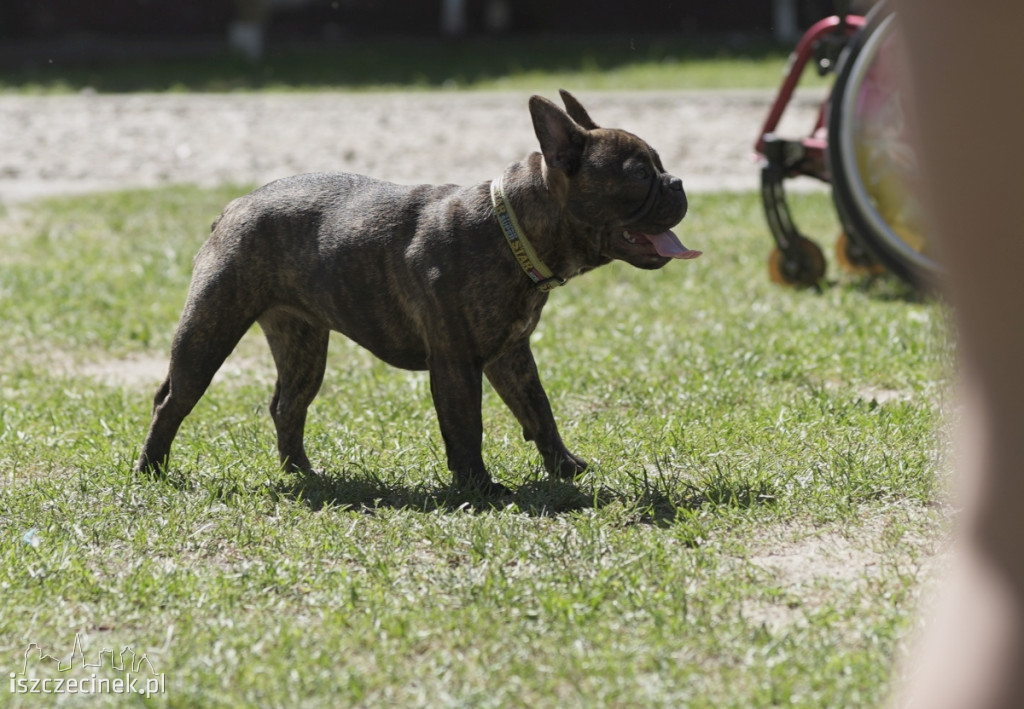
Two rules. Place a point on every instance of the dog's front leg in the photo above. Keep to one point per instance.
(514, 376)
(456, 389)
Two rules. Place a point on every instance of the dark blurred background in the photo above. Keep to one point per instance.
(85, 22)
(218, 45)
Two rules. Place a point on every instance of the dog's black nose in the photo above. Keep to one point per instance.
(675, 184)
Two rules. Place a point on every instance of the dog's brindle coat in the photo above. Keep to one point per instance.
(422, 277)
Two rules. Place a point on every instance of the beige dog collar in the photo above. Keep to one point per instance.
(531, 264)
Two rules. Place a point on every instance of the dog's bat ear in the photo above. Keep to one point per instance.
(562, 140)
(576, 110)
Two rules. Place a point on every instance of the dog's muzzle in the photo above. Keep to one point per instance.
(666, 243)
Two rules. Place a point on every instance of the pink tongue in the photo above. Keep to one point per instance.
(667, 244)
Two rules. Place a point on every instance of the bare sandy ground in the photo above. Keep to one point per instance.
(89, 142)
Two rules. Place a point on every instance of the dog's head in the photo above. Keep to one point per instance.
(612, 181)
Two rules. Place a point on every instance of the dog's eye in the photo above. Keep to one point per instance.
(638, 172)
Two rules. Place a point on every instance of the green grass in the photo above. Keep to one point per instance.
(764, 499)
(492, 64)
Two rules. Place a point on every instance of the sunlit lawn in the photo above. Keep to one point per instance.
(765, 498)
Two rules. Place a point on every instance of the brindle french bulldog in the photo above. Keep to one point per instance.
(434, 277)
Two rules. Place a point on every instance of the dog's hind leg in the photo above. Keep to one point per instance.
(209, 330)
(300, 353)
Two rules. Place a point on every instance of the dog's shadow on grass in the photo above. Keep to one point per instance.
(367, 493)
(643, 503)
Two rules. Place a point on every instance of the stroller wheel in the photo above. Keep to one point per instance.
(853, 258)
(871, 156)
(801, 265)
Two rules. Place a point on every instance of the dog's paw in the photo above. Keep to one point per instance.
(144, 467)
(485, 487)
(494, 489)
(298, 464)
(567, 466)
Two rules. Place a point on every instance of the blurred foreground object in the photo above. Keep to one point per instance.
(968, 109)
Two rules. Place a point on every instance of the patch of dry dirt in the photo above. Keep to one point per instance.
(806, 563)
(143, 372)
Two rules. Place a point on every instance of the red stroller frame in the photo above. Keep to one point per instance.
(798, 260)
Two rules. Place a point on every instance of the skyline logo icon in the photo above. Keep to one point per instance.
(117, 662)
(140, 676)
